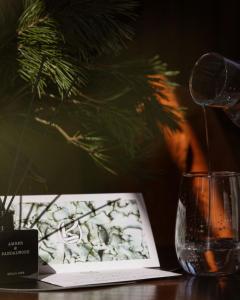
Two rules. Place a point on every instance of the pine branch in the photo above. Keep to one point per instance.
(128, 108)
(69, 35)
(113, 105)
(92, 145)
(134, 84)
(95, 27)
(135, 76)
(125, 127)
(38, 37)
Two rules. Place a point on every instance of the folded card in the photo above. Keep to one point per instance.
(95, 232)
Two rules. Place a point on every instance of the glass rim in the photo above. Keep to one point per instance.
(212, 174)
(199, 60)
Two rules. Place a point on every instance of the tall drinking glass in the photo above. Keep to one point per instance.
(207, 225)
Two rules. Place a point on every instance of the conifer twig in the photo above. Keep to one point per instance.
(74, 139)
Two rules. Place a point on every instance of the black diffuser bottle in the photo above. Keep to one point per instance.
(18, 250)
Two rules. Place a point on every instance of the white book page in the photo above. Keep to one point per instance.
(84, 279)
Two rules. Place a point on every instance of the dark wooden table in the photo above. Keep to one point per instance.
(184, 288)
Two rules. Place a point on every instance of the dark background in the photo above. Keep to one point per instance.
(179, 32)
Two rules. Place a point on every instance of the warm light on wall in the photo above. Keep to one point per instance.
(178, 144)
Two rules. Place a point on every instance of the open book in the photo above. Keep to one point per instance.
(93, 239)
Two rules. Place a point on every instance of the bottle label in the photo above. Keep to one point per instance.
(18, 253)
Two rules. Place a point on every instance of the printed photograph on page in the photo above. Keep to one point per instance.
(75, 231)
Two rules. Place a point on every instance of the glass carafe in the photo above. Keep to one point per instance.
(215, 81)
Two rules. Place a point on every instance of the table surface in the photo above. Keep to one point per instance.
(185, 287)
(182, 288)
